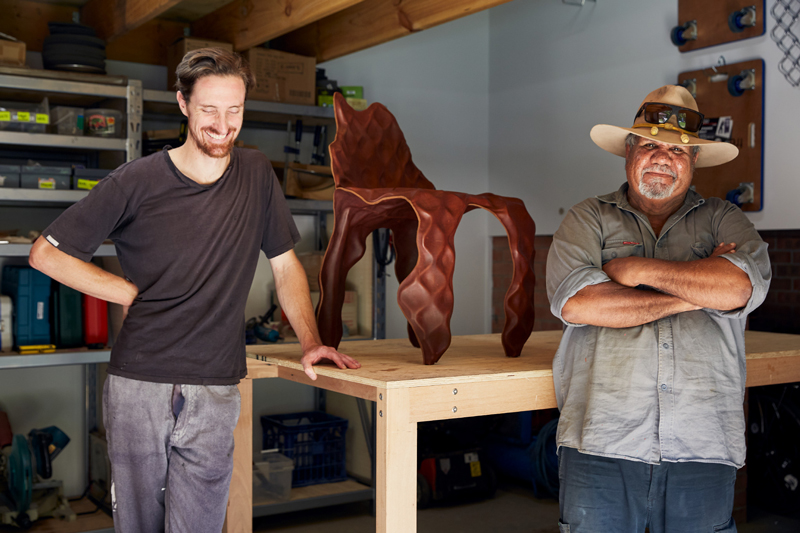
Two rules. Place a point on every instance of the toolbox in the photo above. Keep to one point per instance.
(86, 178)
(95, 322)
(29, 290)
(66, 317)
(37, 177)
(9, 175)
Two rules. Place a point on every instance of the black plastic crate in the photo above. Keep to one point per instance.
(314, 440)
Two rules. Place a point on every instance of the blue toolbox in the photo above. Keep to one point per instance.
(29, 290)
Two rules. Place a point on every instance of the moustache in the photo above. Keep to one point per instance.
(660, 169)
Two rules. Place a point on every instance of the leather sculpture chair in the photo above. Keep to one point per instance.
(378, 186)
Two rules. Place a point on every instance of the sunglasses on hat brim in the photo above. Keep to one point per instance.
(659, 113)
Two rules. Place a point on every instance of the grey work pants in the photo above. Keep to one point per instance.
(171, 453)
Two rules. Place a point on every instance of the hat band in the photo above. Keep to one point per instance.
(668, 126)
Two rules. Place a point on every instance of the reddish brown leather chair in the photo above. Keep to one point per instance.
(378, 186)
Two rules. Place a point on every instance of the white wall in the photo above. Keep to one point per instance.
(435, 83)
(556, 70)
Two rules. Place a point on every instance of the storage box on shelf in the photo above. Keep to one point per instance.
(272, 477)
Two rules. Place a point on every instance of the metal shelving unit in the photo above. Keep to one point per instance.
(83, 90)
(59, 358)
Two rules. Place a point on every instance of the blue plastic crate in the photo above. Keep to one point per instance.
(314, 440)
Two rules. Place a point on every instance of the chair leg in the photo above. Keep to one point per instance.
(518, 302)
(347, 246)
(426, 295)
(405, 244)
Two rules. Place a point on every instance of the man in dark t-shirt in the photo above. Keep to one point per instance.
(188, 225)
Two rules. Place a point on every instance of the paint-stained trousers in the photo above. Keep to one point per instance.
(171, 453)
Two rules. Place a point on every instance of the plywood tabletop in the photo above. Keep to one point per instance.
(394, 363)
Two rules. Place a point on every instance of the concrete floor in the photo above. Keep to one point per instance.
(513, 510)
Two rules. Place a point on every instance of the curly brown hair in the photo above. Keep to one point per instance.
(211, 62)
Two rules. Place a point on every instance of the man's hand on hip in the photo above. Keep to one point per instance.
(320, 353)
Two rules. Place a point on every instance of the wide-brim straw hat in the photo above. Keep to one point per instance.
(712, 153)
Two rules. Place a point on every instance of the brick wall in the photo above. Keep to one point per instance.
(502, 268)
(778, 313)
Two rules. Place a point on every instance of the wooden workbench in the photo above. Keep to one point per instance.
(473, 378)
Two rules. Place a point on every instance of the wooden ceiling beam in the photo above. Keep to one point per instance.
(246, 24)
(114, 18)
(373, 22)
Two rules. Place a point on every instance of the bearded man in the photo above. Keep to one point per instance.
(654, 284)
(188, 225)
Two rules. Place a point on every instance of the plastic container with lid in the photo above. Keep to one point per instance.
(272, 477)
(104, 123)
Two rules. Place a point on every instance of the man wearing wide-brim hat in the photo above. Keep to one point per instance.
(654, 284)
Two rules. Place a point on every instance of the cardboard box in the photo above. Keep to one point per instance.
(282, 77)
(349, 310)
(179, 49)
(312, 263)
(12, 53)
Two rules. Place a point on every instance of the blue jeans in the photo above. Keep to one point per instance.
(171, 453)
(606, 495)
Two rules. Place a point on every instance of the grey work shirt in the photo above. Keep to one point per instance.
(669, 390)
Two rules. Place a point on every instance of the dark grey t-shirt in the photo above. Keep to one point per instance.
(192, 251)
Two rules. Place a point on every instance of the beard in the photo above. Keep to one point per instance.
(657, 190)
(212, 149)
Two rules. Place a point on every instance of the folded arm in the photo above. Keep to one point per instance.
(713, 283)
(84, 277)
(612, 305)
(295, 300)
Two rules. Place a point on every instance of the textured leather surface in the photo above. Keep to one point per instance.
(378, 186)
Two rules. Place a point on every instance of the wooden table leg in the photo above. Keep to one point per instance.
(397, 464)
(239, 518)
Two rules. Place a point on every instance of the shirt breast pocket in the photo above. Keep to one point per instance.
(702, 250)
(619, 249)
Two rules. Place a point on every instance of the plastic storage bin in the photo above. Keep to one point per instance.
(29, 290)
(95, 322)
(314, 440)
(86, 178)
(25, 116)
(272, 477)
(104, 123)
(9, 175)
(67, 120)
(36, 177)
(6, 310)
(66, 316)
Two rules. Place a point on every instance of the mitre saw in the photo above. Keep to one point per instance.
(26, 467)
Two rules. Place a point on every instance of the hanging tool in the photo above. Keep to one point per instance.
(318, 158)
(288, 149)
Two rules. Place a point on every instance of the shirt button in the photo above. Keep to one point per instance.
(666, 346)
(613, 254)
(663, 386)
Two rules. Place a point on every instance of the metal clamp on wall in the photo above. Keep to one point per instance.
(680, 35)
